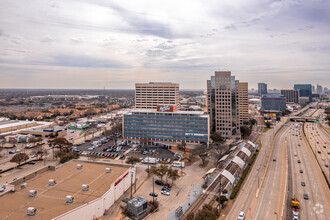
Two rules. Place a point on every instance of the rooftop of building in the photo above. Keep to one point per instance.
(157, 83)
(138, 110)
(12, 123)
(50, 200)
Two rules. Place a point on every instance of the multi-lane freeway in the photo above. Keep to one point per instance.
(305, 177)
(249, 198)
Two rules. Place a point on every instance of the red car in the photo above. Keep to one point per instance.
(168, 185)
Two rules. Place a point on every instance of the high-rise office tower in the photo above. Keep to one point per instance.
(319, 89)
(305, 90)
(243, 102)
(262, 89)
(149, 95)
(292, 96)
(223, 104)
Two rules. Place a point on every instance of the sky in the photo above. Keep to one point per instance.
(97, 44)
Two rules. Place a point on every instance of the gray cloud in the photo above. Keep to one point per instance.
(85, 61)
(75, 40)
(47, 39)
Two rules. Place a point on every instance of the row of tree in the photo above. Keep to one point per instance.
(164, 170)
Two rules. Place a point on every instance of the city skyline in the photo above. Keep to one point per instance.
(103, 44)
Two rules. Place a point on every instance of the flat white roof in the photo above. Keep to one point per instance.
(175, 112)
(10, 124)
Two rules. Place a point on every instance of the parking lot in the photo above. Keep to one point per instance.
(105, 148)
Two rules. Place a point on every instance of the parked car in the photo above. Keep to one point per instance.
(165, 188)
(301, 171)
(159, 182)
(299, 161)
(166, 193)
(303, 184)
(153, 194)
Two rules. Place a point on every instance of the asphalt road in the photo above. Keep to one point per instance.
(316, 207)
(272, 192)
(248, 199)
(319, 140)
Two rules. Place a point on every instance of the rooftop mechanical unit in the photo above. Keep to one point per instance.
(31, 211)
(69, 199)
(32, 193)
(108, 170)
(51, 182)
(79, 166)
(24, 185)
(85, 187)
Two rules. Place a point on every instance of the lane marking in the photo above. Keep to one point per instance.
(279, 195)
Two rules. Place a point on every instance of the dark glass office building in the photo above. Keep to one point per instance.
(177, 126)
(305, 90)
(273, 102)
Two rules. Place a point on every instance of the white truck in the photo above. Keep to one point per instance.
(149, 160)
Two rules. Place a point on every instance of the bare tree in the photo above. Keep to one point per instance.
(19, 158)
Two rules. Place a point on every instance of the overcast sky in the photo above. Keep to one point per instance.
(113, 44)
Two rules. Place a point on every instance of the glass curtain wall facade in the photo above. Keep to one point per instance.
(177, 126)
(223, 104)
(305, 90)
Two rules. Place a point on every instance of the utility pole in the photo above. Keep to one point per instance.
(153, 189)
(131, 184)
(220, 191)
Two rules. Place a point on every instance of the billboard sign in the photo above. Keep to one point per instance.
(166, 108)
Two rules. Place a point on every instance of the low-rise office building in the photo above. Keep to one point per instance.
(166, 124)
(273, 102)
(292, 96)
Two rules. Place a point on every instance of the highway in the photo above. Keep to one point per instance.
(269, 203)
(246, 199)
(319, 140)
(317, 205)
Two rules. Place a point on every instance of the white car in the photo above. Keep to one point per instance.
(166, 193)
(2, 189)
(241, 216)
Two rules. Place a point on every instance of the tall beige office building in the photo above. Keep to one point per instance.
(223, 104)
(243, 102)
(149, 95)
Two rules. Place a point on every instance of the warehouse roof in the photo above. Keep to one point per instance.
(50, 200)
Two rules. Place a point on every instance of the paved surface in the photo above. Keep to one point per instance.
(245, 200)
(269, 202)
(316, 207)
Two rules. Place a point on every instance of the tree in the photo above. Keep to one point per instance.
(19, 158)
(218, 150)
(61, 143)
(173, 174)
(207, 213)
(161, 171)
(268, 124)
(201, 151)
(217, 138)
(252, 121)
(66, 156)
(152, 169)
(132, 160)
(182, 146)
(245, 131)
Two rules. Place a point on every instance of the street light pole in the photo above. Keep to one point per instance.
(220, 191)
(153, 189)
(131, 184)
